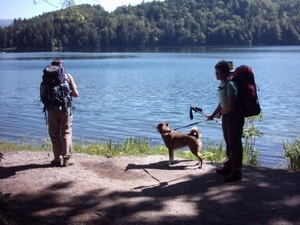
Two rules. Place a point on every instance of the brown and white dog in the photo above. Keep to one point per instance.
(174, 140)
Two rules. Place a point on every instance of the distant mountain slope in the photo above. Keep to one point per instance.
(5, 23)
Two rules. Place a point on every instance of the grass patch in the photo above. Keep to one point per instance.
(212, 152)
(130, 147)
(140, 147)
(8, 146)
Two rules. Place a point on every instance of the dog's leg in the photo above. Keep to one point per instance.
(199, 159)
(199, 162)
(171, 156)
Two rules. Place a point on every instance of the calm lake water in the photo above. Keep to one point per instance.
(125, 94)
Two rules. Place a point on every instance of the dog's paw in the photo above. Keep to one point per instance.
(200, 167)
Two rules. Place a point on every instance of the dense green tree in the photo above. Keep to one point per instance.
(160, 23)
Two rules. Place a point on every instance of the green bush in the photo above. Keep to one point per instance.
(250, 133)
(292, 154)
(214, 152)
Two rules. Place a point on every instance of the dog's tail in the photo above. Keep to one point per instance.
(195, 132)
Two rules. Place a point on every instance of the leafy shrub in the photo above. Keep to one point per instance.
(250, 133)
(292, 154)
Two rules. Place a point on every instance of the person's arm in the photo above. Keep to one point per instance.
(73, 87)
(216, 113)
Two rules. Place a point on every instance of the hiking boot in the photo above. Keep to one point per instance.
(225, 170)
(56, 162)
(68, 162)
(235, 175)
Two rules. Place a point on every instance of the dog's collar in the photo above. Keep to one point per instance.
(167, 131)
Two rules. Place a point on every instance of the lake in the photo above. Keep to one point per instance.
(125, 94)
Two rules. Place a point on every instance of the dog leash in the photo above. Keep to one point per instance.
(186, 126)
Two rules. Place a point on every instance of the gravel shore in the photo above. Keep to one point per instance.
(143, 190)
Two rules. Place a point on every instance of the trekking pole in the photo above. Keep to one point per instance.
(199, 110)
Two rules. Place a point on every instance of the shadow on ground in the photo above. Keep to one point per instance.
(264, 196)
(7, 172)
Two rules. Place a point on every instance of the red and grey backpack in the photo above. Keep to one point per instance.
(243, 76)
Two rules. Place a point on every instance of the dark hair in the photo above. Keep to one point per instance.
(57, 62)
(223, 66)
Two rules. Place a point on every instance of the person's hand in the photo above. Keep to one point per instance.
(218, 115)
(211, 117)
(74, 93)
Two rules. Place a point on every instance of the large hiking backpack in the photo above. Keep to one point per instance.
(247, 90)
(54, 88)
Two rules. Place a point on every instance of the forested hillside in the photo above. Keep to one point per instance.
(166, 23)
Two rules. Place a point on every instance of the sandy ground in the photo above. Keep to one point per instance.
(143, 190)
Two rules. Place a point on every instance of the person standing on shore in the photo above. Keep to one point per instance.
(232, 123)
(60, 116)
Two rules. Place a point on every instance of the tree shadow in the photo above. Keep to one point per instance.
(6, 172)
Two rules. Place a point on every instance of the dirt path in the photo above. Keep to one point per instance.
(142, 190)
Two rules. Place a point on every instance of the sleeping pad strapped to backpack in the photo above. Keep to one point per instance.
(247, 90)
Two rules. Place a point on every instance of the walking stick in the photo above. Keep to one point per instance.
(199, 110)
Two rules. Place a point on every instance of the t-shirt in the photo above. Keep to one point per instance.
(227, 89)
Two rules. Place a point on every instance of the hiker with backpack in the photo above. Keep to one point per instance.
(237, 99)
(232, 123)
(56, 91)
